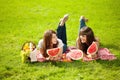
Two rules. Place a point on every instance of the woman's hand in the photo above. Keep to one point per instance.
(57, 58)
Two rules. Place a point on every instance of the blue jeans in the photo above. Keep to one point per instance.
(82, 23)
(61, 34)
(64, 48)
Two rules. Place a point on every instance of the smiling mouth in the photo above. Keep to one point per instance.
(82, 40)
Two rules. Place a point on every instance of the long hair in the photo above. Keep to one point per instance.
(47, 42)
(90, 38)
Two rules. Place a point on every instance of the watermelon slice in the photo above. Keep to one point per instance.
(92, 49)
(75, 54)
(53, 52)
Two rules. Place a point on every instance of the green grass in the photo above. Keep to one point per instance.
(26, 20)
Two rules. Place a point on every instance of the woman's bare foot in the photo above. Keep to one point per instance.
(64, 19)
(85, 19)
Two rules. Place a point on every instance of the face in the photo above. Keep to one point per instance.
(83, 38)
(54, 39)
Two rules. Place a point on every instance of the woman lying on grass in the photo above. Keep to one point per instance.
(52, 40)
(89, 44)
(86, 38)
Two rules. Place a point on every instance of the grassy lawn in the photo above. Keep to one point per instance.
(26, 20)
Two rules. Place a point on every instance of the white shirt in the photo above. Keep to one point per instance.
(60, 43)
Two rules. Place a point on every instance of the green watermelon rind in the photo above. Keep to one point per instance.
(74, 53)
(90, 47)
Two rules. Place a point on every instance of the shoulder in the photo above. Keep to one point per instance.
(59, 40)
(40, 43)
(60, 43)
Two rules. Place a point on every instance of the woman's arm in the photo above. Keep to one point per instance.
(40, 46)
(97, 41)
(58, 57)
(94, 55)
(60, 52)
(41, 50)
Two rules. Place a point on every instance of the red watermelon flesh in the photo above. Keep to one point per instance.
(76, 54)
(92, 49)
(53, 52)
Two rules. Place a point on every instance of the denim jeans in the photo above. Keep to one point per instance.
(82, 23)
(61, 34)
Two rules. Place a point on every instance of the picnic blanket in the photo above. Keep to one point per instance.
(103, 54)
